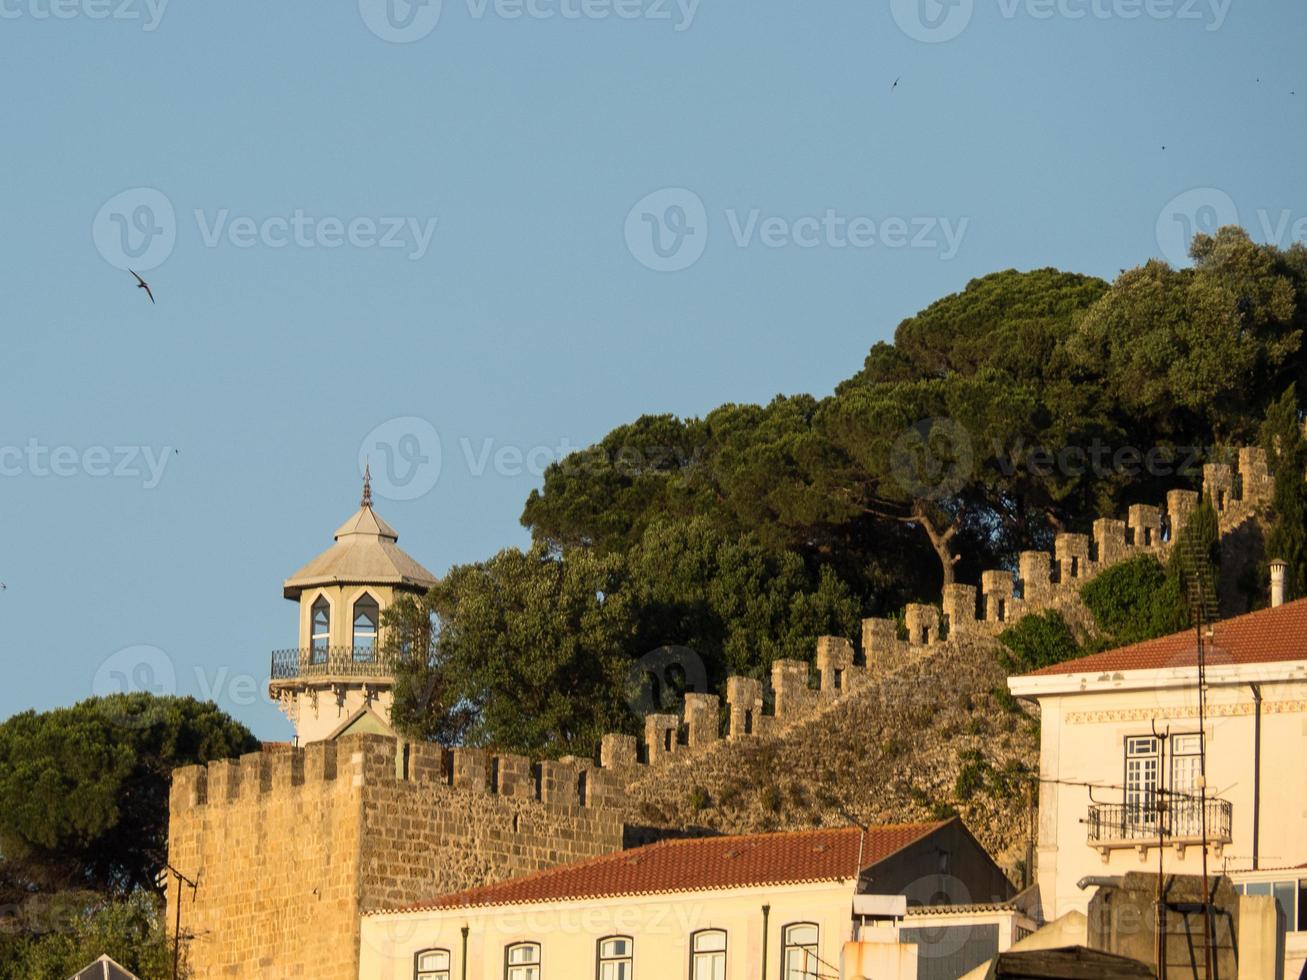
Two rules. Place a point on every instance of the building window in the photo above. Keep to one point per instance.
(431, 964)
(708, 955)
(799, 952)
(1141, 764)
(1185, 804)
(616, 955)
(522, 962)
(320, 633)
(366, 615)
(1290, 895)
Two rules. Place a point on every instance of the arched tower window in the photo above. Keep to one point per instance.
(320, 631)
(366, 616)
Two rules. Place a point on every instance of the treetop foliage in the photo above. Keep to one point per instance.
(1021, 407)
(84, 790)
(74, 930)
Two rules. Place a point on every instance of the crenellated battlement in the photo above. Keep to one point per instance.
(337, 828)
(357, 761)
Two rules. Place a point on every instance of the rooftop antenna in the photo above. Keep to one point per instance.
(1200, 592)
(1159, 909)
(177, 928)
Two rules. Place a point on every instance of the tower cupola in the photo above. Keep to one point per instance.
(339, 678)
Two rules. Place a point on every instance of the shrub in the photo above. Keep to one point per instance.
(1010, 781)
(131, 930)
(972, 776)
(1136, 600)
(729, 795)
(1004, 699)
(1038, 640)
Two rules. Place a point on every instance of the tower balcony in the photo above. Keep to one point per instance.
(323, 665)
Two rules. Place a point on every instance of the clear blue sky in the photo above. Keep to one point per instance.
(529, 320)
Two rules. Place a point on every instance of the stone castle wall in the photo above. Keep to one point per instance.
(290, 846)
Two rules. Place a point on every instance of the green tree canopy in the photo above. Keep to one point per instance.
(535, 651)
(84, 790)
(737, 604)
(73, 930)
(605, 495)
(531, 653)
(1025, 405)
(1193, 354)
(1010, 321)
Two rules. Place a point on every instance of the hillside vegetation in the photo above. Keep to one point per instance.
(1028, 404)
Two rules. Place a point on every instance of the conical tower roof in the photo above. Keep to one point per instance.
(365, 553)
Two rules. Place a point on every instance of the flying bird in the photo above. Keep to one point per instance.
(896, 83)
(142, 284)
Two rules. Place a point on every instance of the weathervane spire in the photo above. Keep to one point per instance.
(367, 485)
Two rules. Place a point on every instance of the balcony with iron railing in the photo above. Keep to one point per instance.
(1113, 825)
(329, 662)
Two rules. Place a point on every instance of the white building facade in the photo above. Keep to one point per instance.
(1121, 764)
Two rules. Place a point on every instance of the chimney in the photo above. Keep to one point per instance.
(1277, 582)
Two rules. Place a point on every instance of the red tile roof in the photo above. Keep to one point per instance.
(700, 864)
(1265, 636)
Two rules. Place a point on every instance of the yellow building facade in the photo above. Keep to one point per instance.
(802, 905)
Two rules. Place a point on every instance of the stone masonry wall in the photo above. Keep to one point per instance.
(289, 847)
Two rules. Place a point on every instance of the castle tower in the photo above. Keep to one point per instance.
(338, 680)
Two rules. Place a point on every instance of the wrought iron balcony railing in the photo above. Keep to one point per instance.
(309, 662)
(1137, 824)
